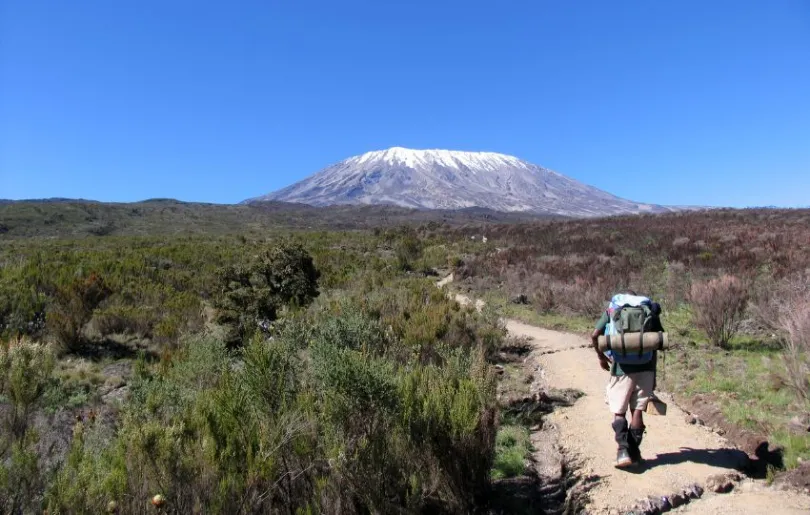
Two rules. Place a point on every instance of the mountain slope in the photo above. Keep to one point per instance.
(443, 179)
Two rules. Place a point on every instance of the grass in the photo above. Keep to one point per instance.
(529, 315)
(512, 448)
(677, 321)
(746, 382)
(795, 447)
(75, 383)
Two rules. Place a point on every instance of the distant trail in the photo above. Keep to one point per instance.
(677, 454)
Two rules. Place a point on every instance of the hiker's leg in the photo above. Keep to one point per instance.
(634, 437)
(644, 382)
(637, 420)
(622, 436)
(643, 386)
(618, 392)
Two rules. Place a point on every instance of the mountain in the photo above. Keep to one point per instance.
(445, 179)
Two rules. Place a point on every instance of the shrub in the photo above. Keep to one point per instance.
(72, 308)
(353, 330)
(204, 433)
(324, 417)
(25, 369)
(22, 310)
(543, 299)
(718, 308)
(137, 321)
(251, 295)
(771, 296)
(795, 322)
(408, 251)
(677, 283)
(583, 297)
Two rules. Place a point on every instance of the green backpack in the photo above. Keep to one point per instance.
(631, 319)
(624, 318)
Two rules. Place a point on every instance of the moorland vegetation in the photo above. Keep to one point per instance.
(247, 367)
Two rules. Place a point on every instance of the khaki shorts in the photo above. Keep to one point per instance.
(629, 390)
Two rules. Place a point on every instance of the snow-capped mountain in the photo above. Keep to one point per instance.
(444, 179)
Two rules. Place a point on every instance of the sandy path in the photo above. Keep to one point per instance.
(676, 454)
(750, 497)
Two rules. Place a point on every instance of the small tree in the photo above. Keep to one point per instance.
(718, 308)
(408, 251)
(73, 307)
(25, 369)
(251, 295)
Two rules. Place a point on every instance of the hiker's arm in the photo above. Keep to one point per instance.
(603, 361)
(599, 330)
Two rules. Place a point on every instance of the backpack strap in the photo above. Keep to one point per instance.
(641, 341)
(624, 345)
(646, 321)
(648, 316)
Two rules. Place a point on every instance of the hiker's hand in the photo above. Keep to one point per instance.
(604, 363)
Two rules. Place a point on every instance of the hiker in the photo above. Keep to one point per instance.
(632, 377)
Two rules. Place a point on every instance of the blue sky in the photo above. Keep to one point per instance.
(686, 102)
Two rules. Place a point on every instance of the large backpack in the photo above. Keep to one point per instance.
(629, 314)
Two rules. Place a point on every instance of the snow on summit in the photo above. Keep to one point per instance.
(449, 179)
(448, 158)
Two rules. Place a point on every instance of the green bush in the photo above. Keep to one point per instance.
(25, 369)
(408, 250)
(323, 415)
(251, 296)
(377, 398)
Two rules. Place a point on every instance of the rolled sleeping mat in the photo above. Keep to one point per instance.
(632, 343)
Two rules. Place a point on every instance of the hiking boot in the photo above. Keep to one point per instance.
(623, 458)
(634, 437)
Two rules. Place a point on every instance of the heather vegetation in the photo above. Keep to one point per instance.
(59, 218)
(733, 284)
(321, 371)
(313, 372)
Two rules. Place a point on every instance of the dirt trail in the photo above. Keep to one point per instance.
(676, 453)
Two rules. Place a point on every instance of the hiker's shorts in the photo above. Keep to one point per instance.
(630, 390)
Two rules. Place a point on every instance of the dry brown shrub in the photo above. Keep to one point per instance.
(543, 298)
(795, 321)
(72, 308)
(582, 297)
(677, 283)
(770, 297)
(618, 251)
(718, 307)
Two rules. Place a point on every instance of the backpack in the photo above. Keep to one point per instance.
(629, 314)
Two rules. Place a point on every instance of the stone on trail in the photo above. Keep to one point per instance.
(722, 483)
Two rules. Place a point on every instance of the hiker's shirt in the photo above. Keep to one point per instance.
(627, 368)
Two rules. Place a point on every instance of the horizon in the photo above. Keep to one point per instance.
(252, 201)
(247, 200)
(707, 104)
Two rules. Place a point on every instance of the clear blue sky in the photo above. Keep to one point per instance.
(674, 102)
